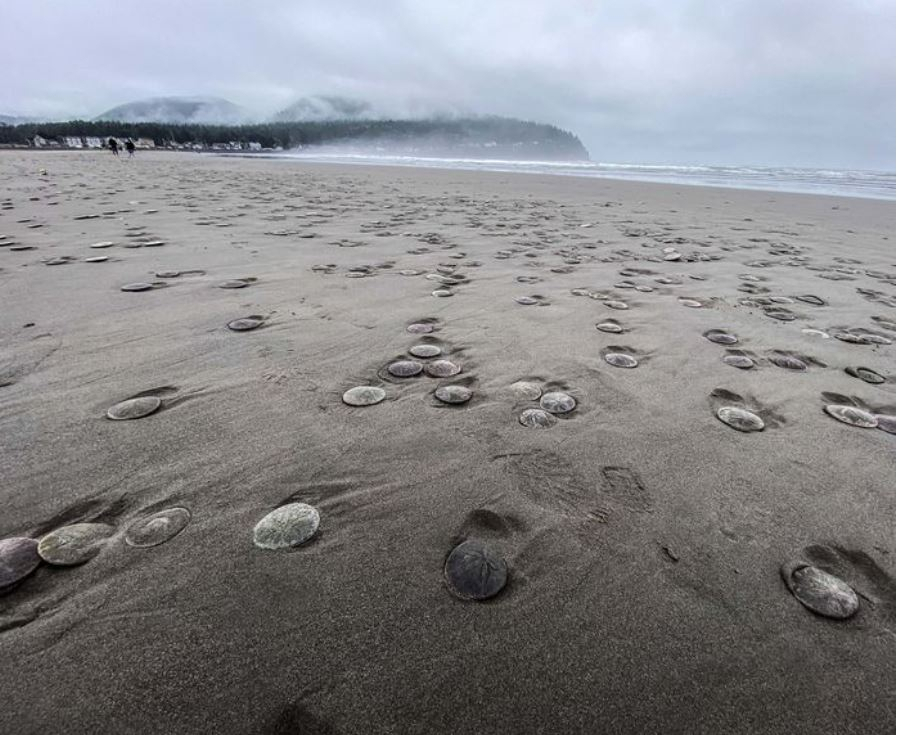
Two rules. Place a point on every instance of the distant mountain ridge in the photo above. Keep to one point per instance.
(179, 111)
(319, 108)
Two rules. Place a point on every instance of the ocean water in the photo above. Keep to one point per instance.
(867, 184)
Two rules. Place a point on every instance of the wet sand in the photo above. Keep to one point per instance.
(643, 535)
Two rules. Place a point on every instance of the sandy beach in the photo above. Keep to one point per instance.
(644, 537)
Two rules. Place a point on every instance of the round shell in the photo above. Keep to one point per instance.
(866, 375)
(104, 244)
(425, 350)
(134, 408)
(536, 418)
(286, 526)
(454, 394)
(885, 423)
(817, 590)
(475, 571)
(852, 416)
(616, 305)
(442, 369)
(97, 259)
(742, 362)
(405, 368)
(419, 328)
(526, 390)
(691, 303)
(526, 300)
(157, 528)
(788, 362)
(74, 544)
(720, 337)
(245, 324)
(236, 283)
(557, 402)
(18, 558)
(611, 327)
(740, 419)
(139, 286)
(443, 293)
(364, 395)
(621, 360)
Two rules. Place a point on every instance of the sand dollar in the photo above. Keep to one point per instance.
(616, 305)
(524, 389)
(526, 300)
(442, 293)
(442, 369)
(157, 528)
(134, 408)
(885, 422)
(817, 590)
(286, 526)
(609, 326)
(419, 328)
(425, 350)
(740, 419)
(235, 283)
(691, 303)
(789, 362)
(74, 544)
(536, 418)
(852, 416)
(18, 558)
(475, 571)
(404, 368)
(138, 286)
(245, 324)
(103, 244)
(558, 402)
(866, 374)
(720, 337)
(97, 259)
(454, 394)
(364, 395)
(621, 360)
(742, 362)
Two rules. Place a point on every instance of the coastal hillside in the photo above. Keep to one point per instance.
(179, 110)
(475, 137)
(319, 108)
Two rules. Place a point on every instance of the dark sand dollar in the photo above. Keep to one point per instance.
(742, 362)
(740, 419)
(621, 360)
(404, 368)
(876, 339)
(157, 528)
(852, 416)
(74, 544)
(236, 283)
(419, 328)
(18, 558)
(789, 362)
(609, 326)
(134, 408)
(245, 324)
(442, 369)
(475, 571)
(425, 350)
(720, 337)
(811, 299)
(286, 526)
(866, 375)
(558, 402)
(850, 337)
(364, 395)
(783, 315)
(885, 422)
(817, 590)
(453, 394)
(139, 286)
(526, 390)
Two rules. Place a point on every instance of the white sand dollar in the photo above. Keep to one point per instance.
(286, 526)
(364, 395)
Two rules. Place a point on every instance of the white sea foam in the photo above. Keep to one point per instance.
(854, 183)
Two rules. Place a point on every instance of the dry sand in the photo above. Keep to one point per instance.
(643, 536)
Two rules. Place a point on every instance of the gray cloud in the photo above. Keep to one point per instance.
(792, 82)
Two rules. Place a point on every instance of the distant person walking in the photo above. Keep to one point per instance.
(129, 144)
(113, 146)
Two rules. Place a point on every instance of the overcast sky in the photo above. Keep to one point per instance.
(768, 82)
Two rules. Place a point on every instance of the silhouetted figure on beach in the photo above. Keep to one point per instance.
(113, 146)
(129, 144)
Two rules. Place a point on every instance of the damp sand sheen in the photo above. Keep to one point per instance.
(300, 427)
